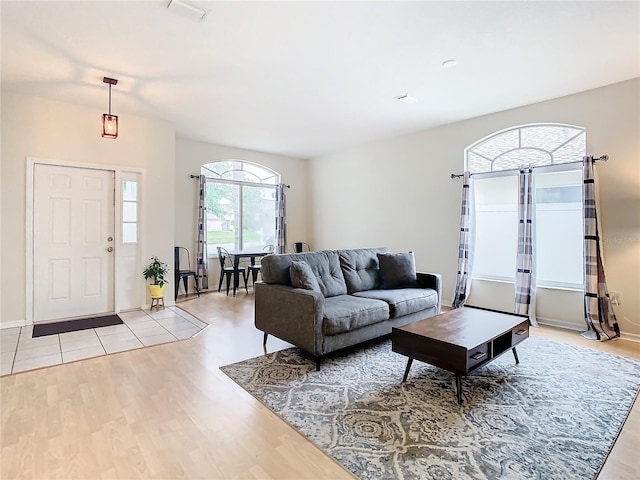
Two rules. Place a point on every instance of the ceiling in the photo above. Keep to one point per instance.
(306, 79)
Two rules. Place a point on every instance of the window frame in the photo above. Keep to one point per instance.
(553, 167)
(471, 149)
(264, 182)
(136, 204)
(496, 278)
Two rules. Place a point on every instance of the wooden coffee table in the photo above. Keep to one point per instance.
(460, 340)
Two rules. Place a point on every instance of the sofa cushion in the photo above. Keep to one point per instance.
(344, 313)
(325, 265)
(403, 301)
(329, 275)
(302, 276)
(361, 268)
(397, 270)
(275, 268)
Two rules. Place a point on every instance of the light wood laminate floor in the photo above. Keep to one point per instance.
(168, 412)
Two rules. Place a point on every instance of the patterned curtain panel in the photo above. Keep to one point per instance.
(281, 219)
(201, 257)
(525, 260)
(599, 315)
(465, 247)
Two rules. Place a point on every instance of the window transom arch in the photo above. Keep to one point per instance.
(539, 144)
(240, 171)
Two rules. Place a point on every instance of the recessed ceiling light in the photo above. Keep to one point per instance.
(406, 98)
(449, 63)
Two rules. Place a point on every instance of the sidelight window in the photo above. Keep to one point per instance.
(129, 211)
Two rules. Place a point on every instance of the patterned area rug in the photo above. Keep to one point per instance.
(555, 415)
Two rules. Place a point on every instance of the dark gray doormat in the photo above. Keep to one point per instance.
(43, 329)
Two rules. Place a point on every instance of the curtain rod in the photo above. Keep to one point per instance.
(602, 158)
(198, 176)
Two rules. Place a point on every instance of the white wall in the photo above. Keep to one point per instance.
(397, 193)
(192, 154)
(33, 126)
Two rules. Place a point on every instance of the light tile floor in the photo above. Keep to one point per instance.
(20, 352)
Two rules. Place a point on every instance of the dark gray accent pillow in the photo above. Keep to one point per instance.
(275, 268)
(397, 270)
(302, 276)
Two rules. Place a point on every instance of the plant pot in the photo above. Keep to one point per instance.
(156, 291)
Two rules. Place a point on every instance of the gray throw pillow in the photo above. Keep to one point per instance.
(397, 270)
(302, 276)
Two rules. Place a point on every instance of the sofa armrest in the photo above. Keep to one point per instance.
(291, 314)
(432, 280)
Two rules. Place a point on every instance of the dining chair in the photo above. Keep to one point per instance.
(182, 270)
(299, 247)
(254, 269)
(227, 269)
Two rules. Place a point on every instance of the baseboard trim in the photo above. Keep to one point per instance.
(13, 324)
(552, 322)
(632, 337)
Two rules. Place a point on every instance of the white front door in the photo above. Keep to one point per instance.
(73, 242)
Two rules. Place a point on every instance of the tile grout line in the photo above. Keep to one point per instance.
(15, 352)
(156, 322)
(183, 314)
(100, 340)
(178, 310)
(173, 309)
(168, 331)
(101, 345)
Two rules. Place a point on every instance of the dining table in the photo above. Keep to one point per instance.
(239, 255)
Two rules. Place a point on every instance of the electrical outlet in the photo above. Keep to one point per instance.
(616, 298)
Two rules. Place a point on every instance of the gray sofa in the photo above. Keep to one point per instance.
(328, 300)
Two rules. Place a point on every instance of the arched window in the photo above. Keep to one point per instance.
(535, 144)
(556, 152)
(240, 205)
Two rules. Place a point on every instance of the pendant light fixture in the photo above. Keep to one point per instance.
(109, 122)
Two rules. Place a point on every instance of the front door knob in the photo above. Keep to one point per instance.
(110, 249)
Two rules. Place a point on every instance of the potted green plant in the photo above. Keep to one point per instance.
(156, 271)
